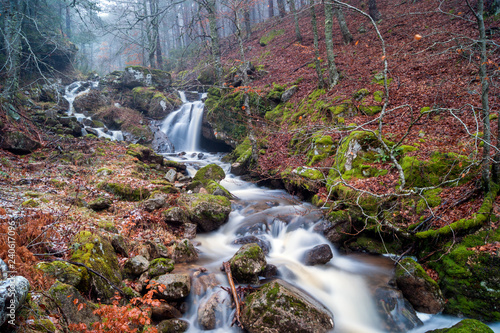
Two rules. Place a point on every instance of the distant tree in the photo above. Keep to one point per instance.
(346, 34)
(317, 61)
(373, 11)
(271, 8)
(333, 74)
(281, 8)
(298, 36)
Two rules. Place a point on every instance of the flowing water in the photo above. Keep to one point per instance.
(79, 88)
(284, 226)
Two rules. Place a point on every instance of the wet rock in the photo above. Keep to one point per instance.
(212, 310)
(160, 266)
(13, 293)
(209, 172)
(238, 168)
(165, 311)
(137, 76)
(265, 245)
(148, 250)
(418, 287)
(290, 308)
(171, 175)
(98, 254)
(318, 255)
(209, 212)
(175, 215)
(173, 326)
(100, 204)
(395, 311)
(65, 295)
(90, 102)
(270, 271)
(192, 96)
(465, 326)
(135, 266)
(248, 263)
(177, 286)
(184, 251)
(203, 282)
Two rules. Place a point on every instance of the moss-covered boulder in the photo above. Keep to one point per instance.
(209, 172)
(135, 266)
(100, 204)
(441, 167)
(280, 307)
(469, 277)
(248, 263)
(209, 212)
(125, 191)
(268, 37)
(173, 326)
(465, 326)
(153, 103)
(18, 142)
(65, 272)
(138, 76)
(145, 154)
(90, 102)
(160, 266)
(418, 287)
(303, 181)
(99, 255)
(68, 298)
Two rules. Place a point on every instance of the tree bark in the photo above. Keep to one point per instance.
(333, 74)
(214, 36)
(12, 44)
(281, 8)
(68, 22)
(271, 8)
(373, 11)
(321, 82)
(346, 34)
(298, 36)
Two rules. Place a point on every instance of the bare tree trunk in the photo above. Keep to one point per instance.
(246, 19)
(68, 22)
(12, 44)
(212, 21)
(291, 3)
(373, 11)
(321, 82)
(485, 172)
(346, 34)
(333, 74)
(271, 8)
(281, 8)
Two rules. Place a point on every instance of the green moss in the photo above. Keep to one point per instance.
(360, 94)
(267, 38)
(378, 96)
(30, 203)
(160, 266)
(431, 199)
(370, 110)
(425, 109)
(65, 272)
(209, 172)
(125, 191)
(309, 173)
(465, 326)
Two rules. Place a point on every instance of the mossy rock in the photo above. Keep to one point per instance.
(440, 168)
(469, 278)
(268, 37)
(125, 191)
(144, 154)
(65, 272)
(209, 212)
(430, 199)
(68, 298)
(248, 263)
(160, 266)
(360, 94)
(209, 172)
(465, 326)
(99, 255)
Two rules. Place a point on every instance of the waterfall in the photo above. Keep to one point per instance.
(183, 127)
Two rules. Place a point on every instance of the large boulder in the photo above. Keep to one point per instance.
(65, 272)
(99, 255)
(18, 142)
(209, 212)
(248, 263)
(138, 76)
(184, 251)
(13, 293)
(135, 266)
(395, 311)
(418, 287)
(90, 102)
(68, 298)
(280, 307)
(153, 103)
(318, 255)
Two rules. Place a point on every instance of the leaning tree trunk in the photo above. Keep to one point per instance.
(321, 82)
(373, 11)
(333, 74)
(298, 36)
(346, 34)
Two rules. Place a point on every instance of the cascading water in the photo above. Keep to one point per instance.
(285, 226)
(79, 88)
(183, 127)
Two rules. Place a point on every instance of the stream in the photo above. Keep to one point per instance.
(284, 227)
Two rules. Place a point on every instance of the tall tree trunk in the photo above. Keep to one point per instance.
(298, 36)
(321, 82)
(333, 74)
(212, 21)
(12, 44)
(373, 11)
(346, 34)
(281, 8)
(246, 19)
(68, 22)
(485, 172)
(271, 8)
